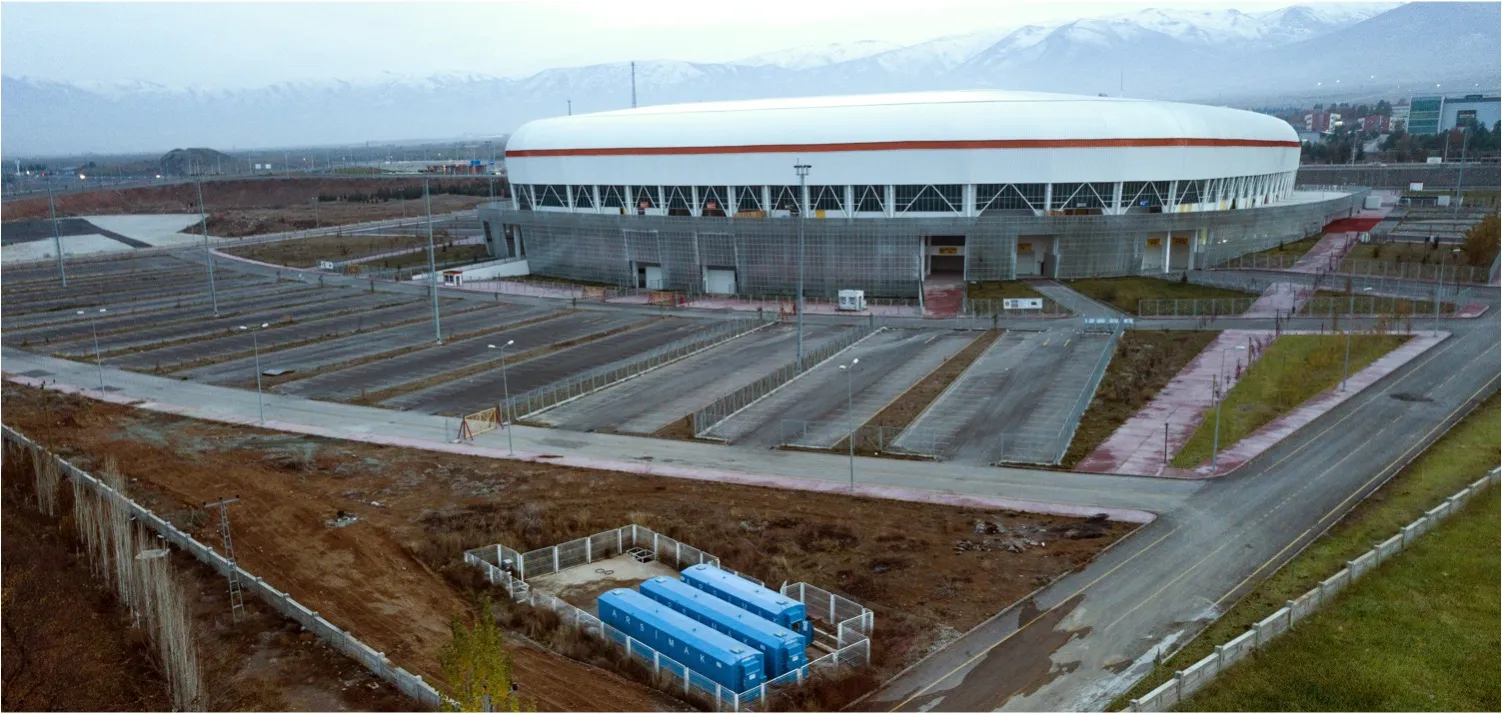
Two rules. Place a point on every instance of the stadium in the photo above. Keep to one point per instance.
(899, 189)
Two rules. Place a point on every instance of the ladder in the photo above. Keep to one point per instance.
(236, 596)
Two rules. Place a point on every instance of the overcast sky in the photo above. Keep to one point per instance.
(238, 45)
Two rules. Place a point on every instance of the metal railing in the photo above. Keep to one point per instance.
(986, 307)
(1194, 307)
(1187, 681)
(797, 432)
(1418, 272)
(1072, 422)
(572, 387)
(410, 684)
(721, 409)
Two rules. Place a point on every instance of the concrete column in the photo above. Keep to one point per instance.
(732, 201)
(695, 208)
(1047, 198)
(766, 200)
(968, 200)
(890, 202)
(849, 200)
(568, 197)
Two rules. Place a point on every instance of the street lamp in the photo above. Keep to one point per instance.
(849, 370)
(432, 264)
(208, 253)
(506, 390)
(98, 361)
(802, 170)
(255, 344)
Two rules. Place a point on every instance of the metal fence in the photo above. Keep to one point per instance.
(1187, 681)
(848, 624)
(1097, 373)
(578, 385)
(1428, 273)
(410, 684)
(1194, 307)
(1371, 305)
(722, 408)
(996, 306)
(831, 434)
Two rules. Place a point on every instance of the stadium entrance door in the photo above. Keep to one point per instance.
(946, 255)
(1034, 257)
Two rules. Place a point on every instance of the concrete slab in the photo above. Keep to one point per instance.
(157, 230)
(450, 356)
(582, 585)
(817, 403)
(470, 394)
(658, 398)
(87, 244)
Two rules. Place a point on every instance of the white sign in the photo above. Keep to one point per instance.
(325, 265)
(1022, 303)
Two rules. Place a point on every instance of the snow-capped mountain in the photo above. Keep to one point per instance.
(1221, 56)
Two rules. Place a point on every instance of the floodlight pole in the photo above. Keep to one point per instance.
(1346, 370)
(208, 252)
(57, 239)
(1215, 444)
(98, 359)
(802, 170)
(849, 371)
(432, 264)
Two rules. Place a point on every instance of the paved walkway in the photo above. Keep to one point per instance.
(1051, 492)
(1280, 299)
(1279, 429)
(943, 296)
(1138, 446)
(1073, 301)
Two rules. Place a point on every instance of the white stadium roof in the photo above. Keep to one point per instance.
(982, 119)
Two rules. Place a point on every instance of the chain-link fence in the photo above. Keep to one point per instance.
(1194, 307)
(847, 624)
(1188, 681)
(410, 684)
(986, 307)
(1421, 272)
(722, 408)
(868, 438)
(1072, 422)
(1372, 306)
(578, 385)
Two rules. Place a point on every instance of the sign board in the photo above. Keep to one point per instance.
(949, 251)
(1022, 303)
(325, 265)
(1024, 247)
(1416, 186)
(1154, 242)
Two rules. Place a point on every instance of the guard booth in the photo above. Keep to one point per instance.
(453, 277)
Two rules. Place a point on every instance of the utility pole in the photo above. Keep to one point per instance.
(1215, 445)
(236, 599)
(570, 107)
(802, 170)
(849, 371)
(57, 238)
(432, 263)
(633, 85)
(207, 252)
(1460, 175)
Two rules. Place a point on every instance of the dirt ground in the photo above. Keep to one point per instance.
(395, 575)
(253, 207)
(262, 663)
(306, 252)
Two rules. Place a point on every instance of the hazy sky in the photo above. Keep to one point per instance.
(236, 45)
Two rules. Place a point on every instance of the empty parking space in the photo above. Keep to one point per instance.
(326, 354)
(653, 400)
(131, 289)
(233, 343)
(1012, 402)
(815, 409)
(111, 324)
(469, 394)
(426, 364)
(45, 273)
(148, 305)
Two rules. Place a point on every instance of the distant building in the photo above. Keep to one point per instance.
(1321, 121)
(1378, 123)
(1432, 115)
(1399, 119)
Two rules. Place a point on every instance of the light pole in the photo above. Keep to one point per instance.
(1215, 445)
(57, 239)
(255, 343)
(491, 170)
(1346, 370)
(849, 370)
(208, 253)
(802, 170)
(98, 360)
(432, 264)
(506, 391)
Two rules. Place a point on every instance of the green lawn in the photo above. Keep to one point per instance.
(1124, 293)
(1294, 368)
(997, 291)
(1293, 249)
(1397, 306)
(1418, 634)
(1464, 454)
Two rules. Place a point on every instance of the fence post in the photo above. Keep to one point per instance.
(1178, 685)
(589, 549)
(678, 553)
(656, 662)
(555, 558)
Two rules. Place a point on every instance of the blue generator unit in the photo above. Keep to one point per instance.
(717, 657)
(783, 649)
(751, 597)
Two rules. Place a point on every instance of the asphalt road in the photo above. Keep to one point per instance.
(1082, 641)
(469, 394)
(259, 299)
(891, 361)
(1012, 401)
(231, 344)
(199, 304)
(326, 354)
(647, 403)
(449, 357)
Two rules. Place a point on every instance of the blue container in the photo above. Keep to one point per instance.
(783, 649)
(751, 597)
(699, 647)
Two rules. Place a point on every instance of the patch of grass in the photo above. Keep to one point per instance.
(1461, 456)
(1367, 304)
(1418, 634)
(1125, 293)
(1293, 369)
(1144, 362)
(443, 254)
(306, 252)
(1401, 252)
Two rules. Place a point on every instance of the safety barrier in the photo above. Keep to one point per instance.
(410, 684)
(1187, 681)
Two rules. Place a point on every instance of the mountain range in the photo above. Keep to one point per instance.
(1323, 52)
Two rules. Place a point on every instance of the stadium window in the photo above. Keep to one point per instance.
(1144, 194)
(1077, 196)
(678, 197)
(747, 198)
(712, 200)
(785, 198)
(524, 197)
(1189, 192)
(1006, 197)
(827, 198)
(613, 196)
(584, 197)
(870, 199)
(646, 196)
(552, 195)
(943, 198)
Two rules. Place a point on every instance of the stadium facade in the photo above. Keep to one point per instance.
(899, 188)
